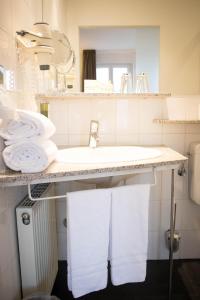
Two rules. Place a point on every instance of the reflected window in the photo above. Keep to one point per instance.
(7, 79)
(117, 77)
(114, 74)
(102, 74)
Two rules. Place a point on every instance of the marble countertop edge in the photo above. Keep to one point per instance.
(58, 171)
(65, 96)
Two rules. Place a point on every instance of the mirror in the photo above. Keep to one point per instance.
(127, 59)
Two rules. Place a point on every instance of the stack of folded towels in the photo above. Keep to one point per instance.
(27, 139)
(106, 224)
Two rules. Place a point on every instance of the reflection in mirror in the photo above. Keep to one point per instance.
(52, 63)
(2, 76)
(7, 81)
(127, 59)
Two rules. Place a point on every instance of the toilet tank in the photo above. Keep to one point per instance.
(194, 172)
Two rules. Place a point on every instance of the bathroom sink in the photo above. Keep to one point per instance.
(117, 154)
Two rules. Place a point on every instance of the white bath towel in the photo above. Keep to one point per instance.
(129, 233)
(30, 157)
(27, 125)
(88, 215)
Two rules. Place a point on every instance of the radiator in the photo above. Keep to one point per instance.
(37, 239)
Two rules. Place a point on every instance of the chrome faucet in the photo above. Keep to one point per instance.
(94, 137)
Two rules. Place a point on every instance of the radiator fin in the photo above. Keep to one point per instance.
(38, 242)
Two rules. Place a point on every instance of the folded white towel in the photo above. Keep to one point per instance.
(30, 157)
(129, 233)
(88, 215)
(27, 125)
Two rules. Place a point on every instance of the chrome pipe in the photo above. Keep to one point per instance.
(172, 228)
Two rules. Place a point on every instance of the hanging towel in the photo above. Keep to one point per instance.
(88, 215)
(129, 233)
(30, 157)
(27, 125)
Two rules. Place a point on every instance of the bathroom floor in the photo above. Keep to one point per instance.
(186, 284)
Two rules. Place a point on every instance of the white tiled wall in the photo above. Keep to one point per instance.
(9, 261)
(129, 122)
(17, 15)
(10, 197)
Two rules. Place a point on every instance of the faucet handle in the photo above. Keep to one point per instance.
(94, 128)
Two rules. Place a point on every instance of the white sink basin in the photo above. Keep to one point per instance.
(86, 155)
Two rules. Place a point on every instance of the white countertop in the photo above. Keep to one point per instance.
(57, 171)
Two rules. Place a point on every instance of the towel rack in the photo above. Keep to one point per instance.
(43, 198)
(172, 216)
(65, 196)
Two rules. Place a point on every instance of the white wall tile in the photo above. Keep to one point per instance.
(10, 282)
(174, 128)
(190, 244)
(78, 139)
(175, 141)
(193, 128)
(12, 232)
(14, 195)
(190, 215)
(62, 246)
(104, 111)
(154, 215)
(127, 116)
(61, 214)
(165, 215)
(150, 139)
(181, 185)
(6, 251)
(23, 19)
(155, 192)
(149, 110)
(8, 235)
(192, 107)
(190, 138)
(107, 140)
(5, 44)
(166, 185)
(60, 139)
(6, 15)
(180, 188)
(127, 139)
(80, 115)
(14, 279)
(58, 114)
(153, 245)
(3, 202)
(61, 188)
